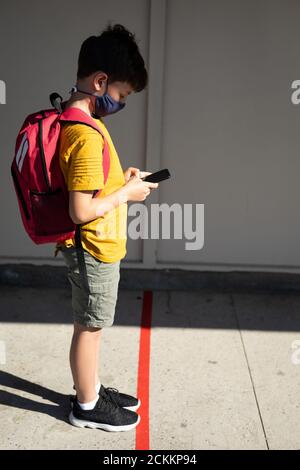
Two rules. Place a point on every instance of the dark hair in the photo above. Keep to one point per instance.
(116, 53)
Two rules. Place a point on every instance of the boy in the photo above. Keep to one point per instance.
(110, 67)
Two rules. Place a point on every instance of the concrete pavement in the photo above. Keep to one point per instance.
(224, 370)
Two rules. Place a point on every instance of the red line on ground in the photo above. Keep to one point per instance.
(143, 385)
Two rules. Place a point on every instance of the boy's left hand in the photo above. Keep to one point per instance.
(132, 171)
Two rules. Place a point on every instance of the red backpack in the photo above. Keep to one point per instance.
(38, 180)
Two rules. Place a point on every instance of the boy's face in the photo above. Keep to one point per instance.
(119, 90)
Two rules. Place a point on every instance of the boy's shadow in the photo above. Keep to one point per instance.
(59, 410)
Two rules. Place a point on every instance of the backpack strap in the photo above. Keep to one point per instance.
(80, 258)
(78, 116)
(56, 101)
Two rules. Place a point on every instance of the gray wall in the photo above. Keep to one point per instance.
(217, 113)
(229, 66)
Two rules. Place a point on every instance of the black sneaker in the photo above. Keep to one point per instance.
(121, 399)
(106, 415)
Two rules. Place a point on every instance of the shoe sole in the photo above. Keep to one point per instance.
(80, 423)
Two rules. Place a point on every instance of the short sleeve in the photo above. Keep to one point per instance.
(85, 166)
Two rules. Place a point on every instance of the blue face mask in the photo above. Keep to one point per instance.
(104, 104)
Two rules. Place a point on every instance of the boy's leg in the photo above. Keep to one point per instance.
(93, 310)
(97, 379)
(83, 353)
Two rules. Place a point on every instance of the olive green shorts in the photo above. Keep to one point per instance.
(93, 305)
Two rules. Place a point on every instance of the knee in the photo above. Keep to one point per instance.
(78, 329)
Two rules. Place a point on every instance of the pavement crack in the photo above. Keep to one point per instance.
(249, 369)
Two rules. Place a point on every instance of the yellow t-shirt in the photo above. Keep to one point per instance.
(80, 151)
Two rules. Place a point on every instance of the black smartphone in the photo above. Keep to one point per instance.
(158, 176)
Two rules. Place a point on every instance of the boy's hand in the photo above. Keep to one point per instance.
(143, 174)
(137, 190)
(131, 171)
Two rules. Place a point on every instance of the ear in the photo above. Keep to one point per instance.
(99, 81)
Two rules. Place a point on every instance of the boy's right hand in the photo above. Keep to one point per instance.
(137, 189)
